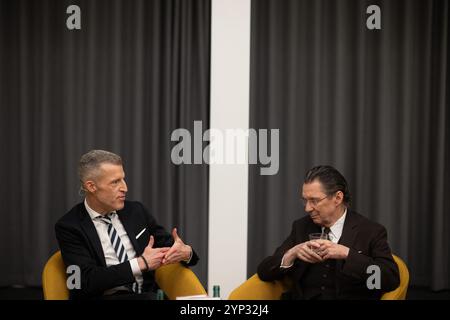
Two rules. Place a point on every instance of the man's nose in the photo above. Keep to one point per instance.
(308, 207)
(124, 187)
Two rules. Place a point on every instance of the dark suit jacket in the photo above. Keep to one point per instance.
(368, 245)
(80, 245)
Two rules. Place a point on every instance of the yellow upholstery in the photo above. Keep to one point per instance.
(256, 289)
(54, 279)
(175, 280)
(400, 292)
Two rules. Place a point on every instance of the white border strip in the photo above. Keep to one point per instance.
(230, 104)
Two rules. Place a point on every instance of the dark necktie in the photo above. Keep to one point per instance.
(327, 231)
(118, 247)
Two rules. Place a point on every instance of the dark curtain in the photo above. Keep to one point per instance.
(136, 71)
(372, 103)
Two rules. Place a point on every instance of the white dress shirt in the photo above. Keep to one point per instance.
(335, 234)
(336, 229)
(108, 250)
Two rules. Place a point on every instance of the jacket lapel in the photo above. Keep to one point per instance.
(88, 226)
(127, 222)
(349, 233)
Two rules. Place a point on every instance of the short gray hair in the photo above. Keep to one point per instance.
(90, 163)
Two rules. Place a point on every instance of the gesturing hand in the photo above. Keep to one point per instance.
(178, 252)
(154, 256)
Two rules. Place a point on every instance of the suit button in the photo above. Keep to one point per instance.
(327, 265)
(324, 275)
(322, 288)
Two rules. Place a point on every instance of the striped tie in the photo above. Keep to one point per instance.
(118, 247)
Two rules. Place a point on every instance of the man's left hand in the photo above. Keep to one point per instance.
(331, 250)
(178, 252)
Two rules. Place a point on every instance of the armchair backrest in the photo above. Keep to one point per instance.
(177, 280)
(54, 279)
(256, 289)
(400, 292)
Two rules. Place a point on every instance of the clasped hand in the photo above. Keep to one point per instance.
(315, 251)
(157, 257)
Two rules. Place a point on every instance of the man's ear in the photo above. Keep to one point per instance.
(339, 197)
(89, 186)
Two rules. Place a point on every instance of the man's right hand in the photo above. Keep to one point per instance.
(303, 252)
(153, 256)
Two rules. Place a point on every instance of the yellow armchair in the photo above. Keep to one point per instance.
(256, 289)
(400, 292)
(54, 279)
(175, 280)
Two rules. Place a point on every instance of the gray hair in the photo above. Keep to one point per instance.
(90, 162)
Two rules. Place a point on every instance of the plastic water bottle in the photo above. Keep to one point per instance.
(216, 291)
(159, 295)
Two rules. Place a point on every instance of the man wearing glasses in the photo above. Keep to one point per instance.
(335, 264)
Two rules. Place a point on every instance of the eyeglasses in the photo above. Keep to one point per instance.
(313, 202)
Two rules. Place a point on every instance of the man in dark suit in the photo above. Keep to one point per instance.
(335, 266)
(117, 244)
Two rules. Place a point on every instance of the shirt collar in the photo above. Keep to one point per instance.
(341, 220)
(336, 228)
(92, 213)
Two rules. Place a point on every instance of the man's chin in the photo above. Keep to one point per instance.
(120, 204)
(316, 220)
